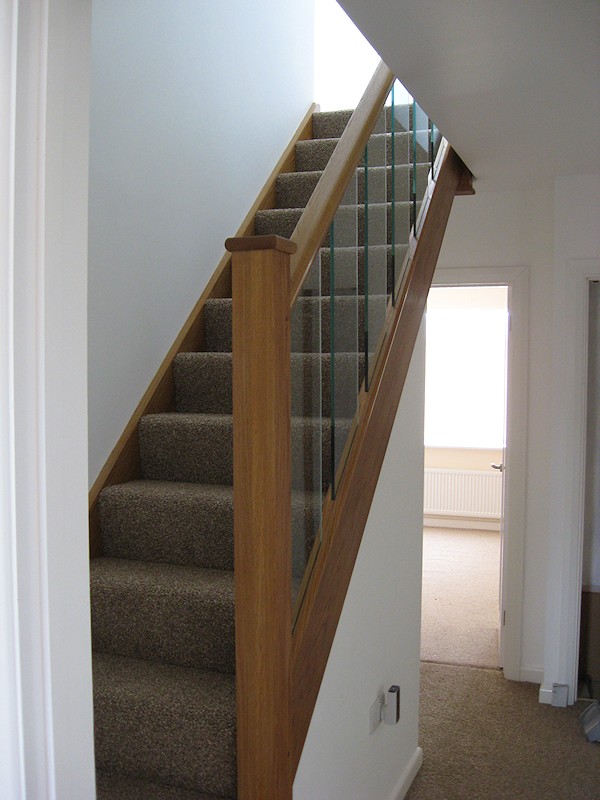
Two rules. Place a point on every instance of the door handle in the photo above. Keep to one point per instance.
(498, 466)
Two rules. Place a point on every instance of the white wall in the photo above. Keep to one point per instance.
(191, 106)
(377, 640)
(503, 229)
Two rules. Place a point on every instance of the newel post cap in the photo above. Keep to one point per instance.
(272, 242)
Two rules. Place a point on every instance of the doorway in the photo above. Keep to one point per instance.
(465, 434)
(515, 459)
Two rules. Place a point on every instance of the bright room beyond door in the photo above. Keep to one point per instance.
(465, 402)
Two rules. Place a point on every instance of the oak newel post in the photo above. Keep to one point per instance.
(262, 513)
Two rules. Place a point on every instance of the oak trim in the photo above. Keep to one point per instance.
(329, 191)
(465, 187)
(345, 519)
(123, 464)
(262, 519)
(267, 242)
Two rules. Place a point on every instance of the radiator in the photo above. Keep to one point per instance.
(463, 493)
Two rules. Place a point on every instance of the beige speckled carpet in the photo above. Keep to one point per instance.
(486, 738)
(460, 597)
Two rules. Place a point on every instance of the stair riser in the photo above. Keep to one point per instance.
(294, 189)
(197, 373)
(110, 786)
(349, 322)
(349, 223)
(194, 449)
(350, 268)
(184, 530)
(163, 622)
(331, 124)
(313, 154)
(179, 527)
(177, 732)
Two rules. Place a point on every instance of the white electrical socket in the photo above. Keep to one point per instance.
(375, 713)
(385, 708)
(391, 709)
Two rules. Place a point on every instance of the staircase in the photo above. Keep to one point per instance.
(162, 592)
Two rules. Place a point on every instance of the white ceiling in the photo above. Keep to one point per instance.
(514, 85)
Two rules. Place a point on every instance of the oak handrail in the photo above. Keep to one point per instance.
(329, 191)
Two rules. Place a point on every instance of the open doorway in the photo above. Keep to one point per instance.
(465, 435)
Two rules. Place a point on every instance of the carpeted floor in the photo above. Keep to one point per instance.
(460, 597)
(486, 738)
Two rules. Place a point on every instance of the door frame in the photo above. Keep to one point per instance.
(46, 732)
(513, 545)
(566, 521)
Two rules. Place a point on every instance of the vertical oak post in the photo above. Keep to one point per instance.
(262, 513)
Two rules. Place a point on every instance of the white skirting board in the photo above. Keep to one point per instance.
(461, 523)
(463, 494)
(408, 776)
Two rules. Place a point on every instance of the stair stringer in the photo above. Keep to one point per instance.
(344, 521)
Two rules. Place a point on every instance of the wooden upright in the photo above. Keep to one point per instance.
(262, 513)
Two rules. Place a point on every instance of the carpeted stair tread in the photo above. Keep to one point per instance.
(198, 391)
(163, 612)
(110, 786)
(197, 448)
(165, 724)
(349, 313)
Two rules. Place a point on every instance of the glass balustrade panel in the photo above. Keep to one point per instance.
(400, 177)
(307, 427)
(436, 141)
(421, 155)
(341, 321)
(375, 226)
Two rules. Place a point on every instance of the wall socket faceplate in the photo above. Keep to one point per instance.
(375, 713)
(385, 708)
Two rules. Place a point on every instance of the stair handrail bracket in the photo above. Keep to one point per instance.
(280, 663)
